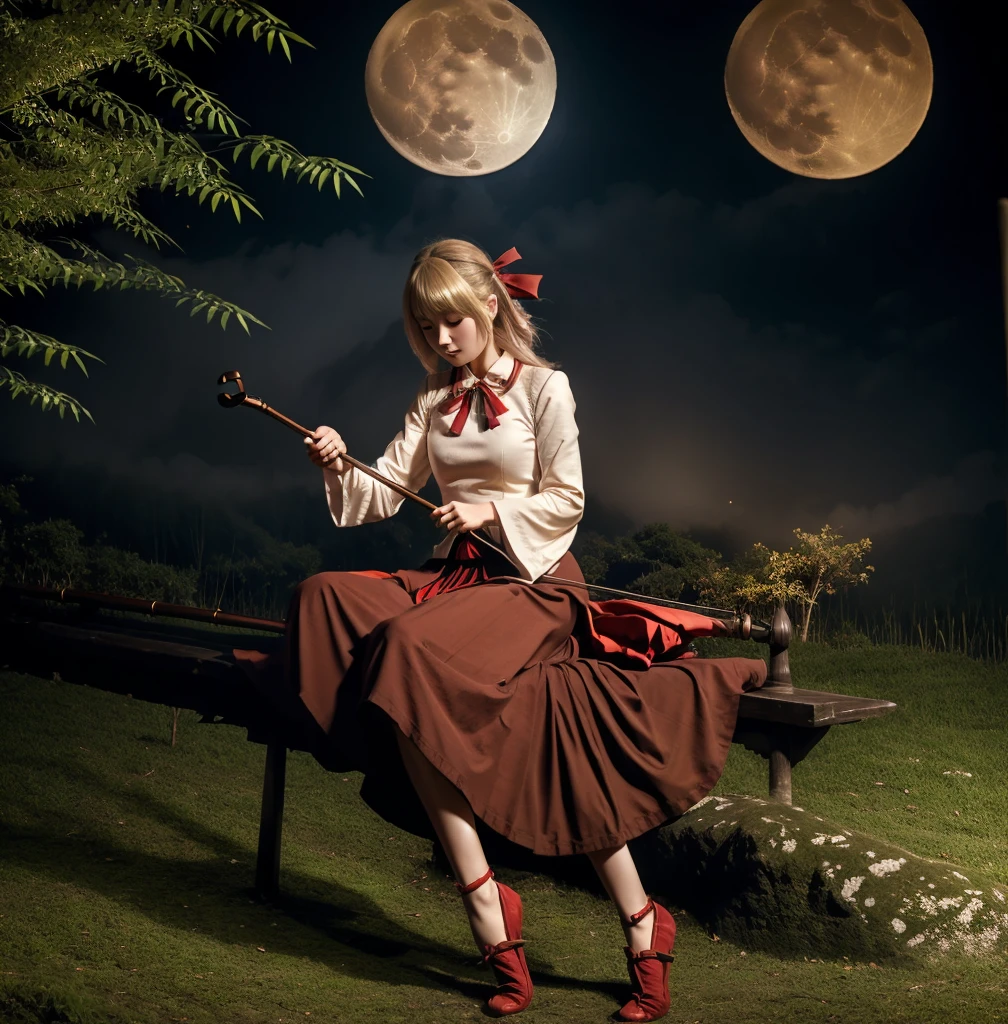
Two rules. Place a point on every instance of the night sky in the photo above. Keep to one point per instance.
(751, 351)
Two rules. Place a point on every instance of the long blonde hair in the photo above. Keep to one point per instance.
(455, 276)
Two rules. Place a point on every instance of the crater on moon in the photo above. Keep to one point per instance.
(461, 87)
(829, 88)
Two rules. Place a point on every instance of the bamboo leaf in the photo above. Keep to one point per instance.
(242, 321)
(354, 185)
(256, 153)
(286, 48)
(64, 357)
(236, 208)
(213, 202)
(322, 177)
(224, 317)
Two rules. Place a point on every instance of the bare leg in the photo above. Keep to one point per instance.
(618, 874)
(453, 821)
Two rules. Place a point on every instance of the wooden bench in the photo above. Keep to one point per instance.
(178, 665)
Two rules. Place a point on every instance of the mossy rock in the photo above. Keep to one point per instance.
(778, 878)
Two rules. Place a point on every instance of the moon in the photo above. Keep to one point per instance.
(460, 87)
(829, 88)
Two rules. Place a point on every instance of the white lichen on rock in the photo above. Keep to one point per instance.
(966, 916)
(882, 900)
(886, 867)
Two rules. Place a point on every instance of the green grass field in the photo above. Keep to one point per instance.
(126, 869)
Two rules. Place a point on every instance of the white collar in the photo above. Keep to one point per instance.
(497, 376)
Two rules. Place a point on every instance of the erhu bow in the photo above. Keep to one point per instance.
(738, 624)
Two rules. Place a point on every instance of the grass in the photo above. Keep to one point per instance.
(127, 865)
(973, 627)
(929, 776)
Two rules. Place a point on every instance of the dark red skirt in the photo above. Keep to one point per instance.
(498, 683)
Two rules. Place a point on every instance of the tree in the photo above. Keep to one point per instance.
(655, 561)
(49, 554)
(110, 570)
(72, 149)
(817, 565)
(677, 566)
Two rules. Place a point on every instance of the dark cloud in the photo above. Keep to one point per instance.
(693, 408)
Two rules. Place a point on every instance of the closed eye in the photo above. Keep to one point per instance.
(450, 323)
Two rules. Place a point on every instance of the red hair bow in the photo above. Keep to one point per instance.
(519, 286)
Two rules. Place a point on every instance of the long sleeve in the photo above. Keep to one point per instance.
(538, 529)
(355, 498)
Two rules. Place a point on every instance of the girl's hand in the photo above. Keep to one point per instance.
(461, 518)
(325, 447)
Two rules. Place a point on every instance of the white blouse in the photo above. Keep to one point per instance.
(528, 466)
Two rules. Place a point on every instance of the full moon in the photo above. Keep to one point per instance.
(829, 88)
(460, 87)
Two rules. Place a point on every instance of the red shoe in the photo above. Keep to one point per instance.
(649, 969)
(506, 959)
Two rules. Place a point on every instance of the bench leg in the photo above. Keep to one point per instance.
(267, 877)
(780, 773)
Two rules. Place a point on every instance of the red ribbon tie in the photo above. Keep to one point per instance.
(492, 406)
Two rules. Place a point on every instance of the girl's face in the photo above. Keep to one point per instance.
(457, 338)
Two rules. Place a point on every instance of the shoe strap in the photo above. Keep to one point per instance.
(648, 907)
(501, 947)
(648, 954)
(472, 886)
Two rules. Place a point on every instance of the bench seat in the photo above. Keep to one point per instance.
(179, 665)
